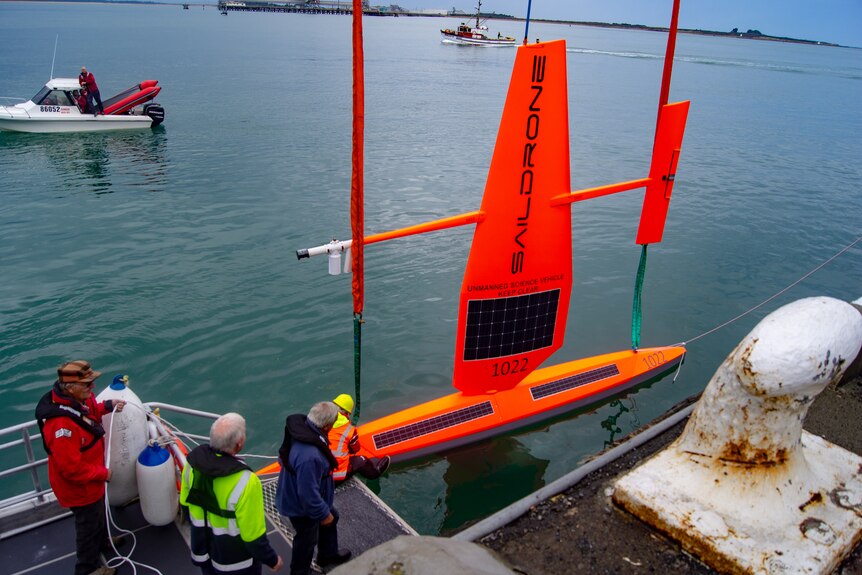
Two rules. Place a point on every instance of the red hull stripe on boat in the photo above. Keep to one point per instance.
(147, 91)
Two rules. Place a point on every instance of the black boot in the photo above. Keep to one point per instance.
(343, 556)
(383, 465)
(118, 541)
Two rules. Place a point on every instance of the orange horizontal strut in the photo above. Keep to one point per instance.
(433, 226)
(607, 190)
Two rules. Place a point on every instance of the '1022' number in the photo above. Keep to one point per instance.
(654, 359)
(507, 367)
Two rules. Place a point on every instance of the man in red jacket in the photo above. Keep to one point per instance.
(87, 80)
(81, 100)
(70, 420)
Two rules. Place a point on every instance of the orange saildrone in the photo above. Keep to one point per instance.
(517, 285)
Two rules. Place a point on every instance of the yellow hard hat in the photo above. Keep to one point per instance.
(345, 402)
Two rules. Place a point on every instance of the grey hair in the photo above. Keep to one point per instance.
(227, 431)
(323, 414)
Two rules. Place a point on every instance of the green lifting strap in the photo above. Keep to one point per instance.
(636, 304)
(357, 361)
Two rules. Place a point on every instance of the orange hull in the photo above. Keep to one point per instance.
(458, 419)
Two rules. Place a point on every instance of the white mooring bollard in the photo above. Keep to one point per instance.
(744, 488)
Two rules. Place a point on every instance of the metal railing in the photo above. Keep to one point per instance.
(25, 434)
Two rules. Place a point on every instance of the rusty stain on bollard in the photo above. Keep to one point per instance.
(744, 487)
(847, 499)
(815, 498)
(817, 531)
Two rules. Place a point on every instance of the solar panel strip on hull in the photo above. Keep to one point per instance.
(431, 425)
(507, 326)
(567, 383)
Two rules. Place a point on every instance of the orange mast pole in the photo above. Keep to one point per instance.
(357, 201)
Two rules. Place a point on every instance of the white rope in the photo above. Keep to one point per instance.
(120, 558)
(259, 456)
(769, 299)
(177, 430)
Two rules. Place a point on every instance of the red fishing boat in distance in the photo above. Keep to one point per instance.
(477, 35)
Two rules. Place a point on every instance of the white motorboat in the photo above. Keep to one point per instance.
(54, 109)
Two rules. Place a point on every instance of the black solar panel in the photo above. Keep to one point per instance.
(574, 381)
(432, 424)
(510, 325)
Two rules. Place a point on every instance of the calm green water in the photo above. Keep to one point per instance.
(169, 254)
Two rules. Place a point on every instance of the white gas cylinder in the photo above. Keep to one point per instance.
(125, 437)
(157, 485)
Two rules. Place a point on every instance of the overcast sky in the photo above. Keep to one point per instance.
(837, 21)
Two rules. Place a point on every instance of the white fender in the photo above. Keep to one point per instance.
(125, 437)
(157, 485)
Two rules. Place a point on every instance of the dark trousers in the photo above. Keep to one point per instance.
(94, 95)
(91, 531)
(367, 468)
(310, 533)
(208, 569)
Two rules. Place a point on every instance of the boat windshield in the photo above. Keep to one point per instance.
(55, 98)
(42, 93)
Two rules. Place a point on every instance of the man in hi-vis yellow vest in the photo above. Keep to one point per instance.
(225, 505)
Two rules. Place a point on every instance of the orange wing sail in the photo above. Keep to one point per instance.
(665, 156)
(516, 289)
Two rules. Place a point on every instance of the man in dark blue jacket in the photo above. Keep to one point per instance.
(305, 488)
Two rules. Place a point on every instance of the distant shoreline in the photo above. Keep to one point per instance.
(742, 35)
(749, 35)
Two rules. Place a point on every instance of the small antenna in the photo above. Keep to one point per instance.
(527, 25)
(54, 57)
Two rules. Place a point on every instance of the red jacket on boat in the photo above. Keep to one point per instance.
(76, 455)
(89, 81)
(81, 100)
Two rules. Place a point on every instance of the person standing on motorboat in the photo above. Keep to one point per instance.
(70, 420)
(87, 80)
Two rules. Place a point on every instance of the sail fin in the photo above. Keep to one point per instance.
(665, 156)
(517, 285)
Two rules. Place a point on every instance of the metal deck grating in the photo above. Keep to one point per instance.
(366, 521)
(420, 428)
(571, 382)
(285, 528)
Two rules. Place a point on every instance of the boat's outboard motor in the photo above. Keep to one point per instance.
(156, 112)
